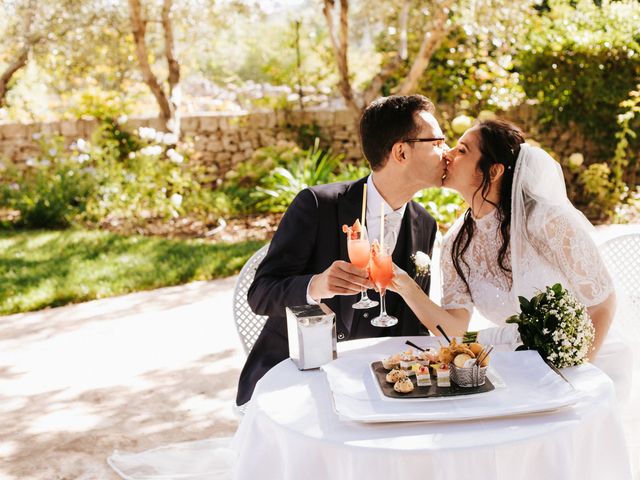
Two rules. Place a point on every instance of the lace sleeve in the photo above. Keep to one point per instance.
(569, 247)
(455, 293)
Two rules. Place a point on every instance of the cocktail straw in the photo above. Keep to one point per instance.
(381, 228)
(364, 205)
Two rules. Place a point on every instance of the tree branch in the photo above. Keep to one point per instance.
(431, 41)
(340, 51)
(172, 63)
(29, 40)
(139, 28)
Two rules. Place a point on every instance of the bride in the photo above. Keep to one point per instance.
(520, 234)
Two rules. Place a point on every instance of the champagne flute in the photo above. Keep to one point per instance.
(381, 272)
(359, 254)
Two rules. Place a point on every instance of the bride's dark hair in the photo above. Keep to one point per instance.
(499, 142)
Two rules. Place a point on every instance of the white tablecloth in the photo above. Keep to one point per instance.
(291, 431)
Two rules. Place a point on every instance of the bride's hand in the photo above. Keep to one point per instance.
(401, 280)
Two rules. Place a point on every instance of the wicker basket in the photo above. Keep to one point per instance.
(468, 377)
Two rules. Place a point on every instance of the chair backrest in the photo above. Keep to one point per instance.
(248, 324)
(622, 257)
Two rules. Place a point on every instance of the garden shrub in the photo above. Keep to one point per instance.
(50, 192)
(579, 62)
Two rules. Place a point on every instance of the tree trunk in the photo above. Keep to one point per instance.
(139, 28)
(19, 62)
(431, 41)
(173, 65)
(340, 51)
(28, 41)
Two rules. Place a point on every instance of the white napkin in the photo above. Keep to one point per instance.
(507, 335)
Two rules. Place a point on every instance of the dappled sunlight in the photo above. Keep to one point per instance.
(177, 405)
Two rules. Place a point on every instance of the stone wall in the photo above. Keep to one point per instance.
(221, 141)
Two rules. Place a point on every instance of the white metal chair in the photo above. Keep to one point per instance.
(248, 324)
(622, 257)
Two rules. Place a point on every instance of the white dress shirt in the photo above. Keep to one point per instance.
(392, 229)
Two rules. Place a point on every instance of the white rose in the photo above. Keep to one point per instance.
(176, 200)
(461, 124)
(576, 159)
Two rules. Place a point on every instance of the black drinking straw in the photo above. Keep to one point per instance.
(443, 333)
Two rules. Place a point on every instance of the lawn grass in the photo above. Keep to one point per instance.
(41, 269)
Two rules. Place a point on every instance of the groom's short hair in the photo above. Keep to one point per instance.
(389, 120)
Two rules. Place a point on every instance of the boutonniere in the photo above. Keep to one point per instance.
(422, 263)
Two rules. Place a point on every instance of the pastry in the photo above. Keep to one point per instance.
(403, 385)
(394, 375)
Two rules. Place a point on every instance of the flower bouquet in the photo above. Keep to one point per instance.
(557, 325)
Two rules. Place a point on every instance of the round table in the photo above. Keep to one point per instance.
(291, 431)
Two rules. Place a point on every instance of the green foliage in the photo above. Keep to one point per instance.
(50, 268)
(98, 103)
(555, 324)
(443, 204)
(116, 175)
(276, 191)
(579, 62)
(50, 192)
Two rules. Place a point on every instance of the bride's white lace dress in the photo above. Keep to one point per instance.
(576, 264)
(550, 242)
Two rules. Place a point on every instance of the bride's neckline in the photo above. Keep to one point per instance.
(484, 218)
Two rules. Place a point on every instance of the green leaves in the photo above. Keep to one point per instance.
(555, 324)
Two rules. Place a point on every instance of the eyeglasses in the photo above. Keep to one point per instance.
(441, 141)
(416, 140)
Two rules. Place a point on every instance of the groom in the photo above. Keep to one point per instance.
(307, 261)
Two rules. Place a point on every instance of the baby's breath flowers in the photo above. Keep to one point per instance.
(557, 325)
(422, 262)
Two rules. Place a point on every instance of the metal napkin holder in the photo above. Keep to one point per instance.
(312, 335)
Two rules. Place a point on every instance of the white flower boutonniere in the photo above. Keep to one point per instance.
(422, 262)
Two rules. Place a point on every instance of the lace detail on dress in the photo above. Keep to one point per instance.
(556, 252)
(572, 251)
(489, 285)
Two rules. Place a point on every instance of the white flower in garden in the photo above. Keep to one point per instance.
(132, 155)
(147, 133)
(83, 157)
(576, 159)
(174, 156)
(82, 145)
(169, 139)
(151, 150)
(31, 162)
(461, 123)
(122, 119)
(45, 163)
(53, 152)
(176, 200)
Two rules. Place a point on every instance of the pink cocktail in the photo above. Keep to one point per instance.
(359, 251)
(381, 273)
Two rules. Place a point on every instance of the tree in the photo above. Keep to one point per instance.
(29, 38)
(423, 26)
(168, 101)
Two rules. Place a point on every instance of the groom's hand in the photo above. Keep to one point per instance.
(341, 278)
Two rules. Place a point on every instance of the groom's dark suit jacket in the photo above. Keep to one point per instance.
(308, 240)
